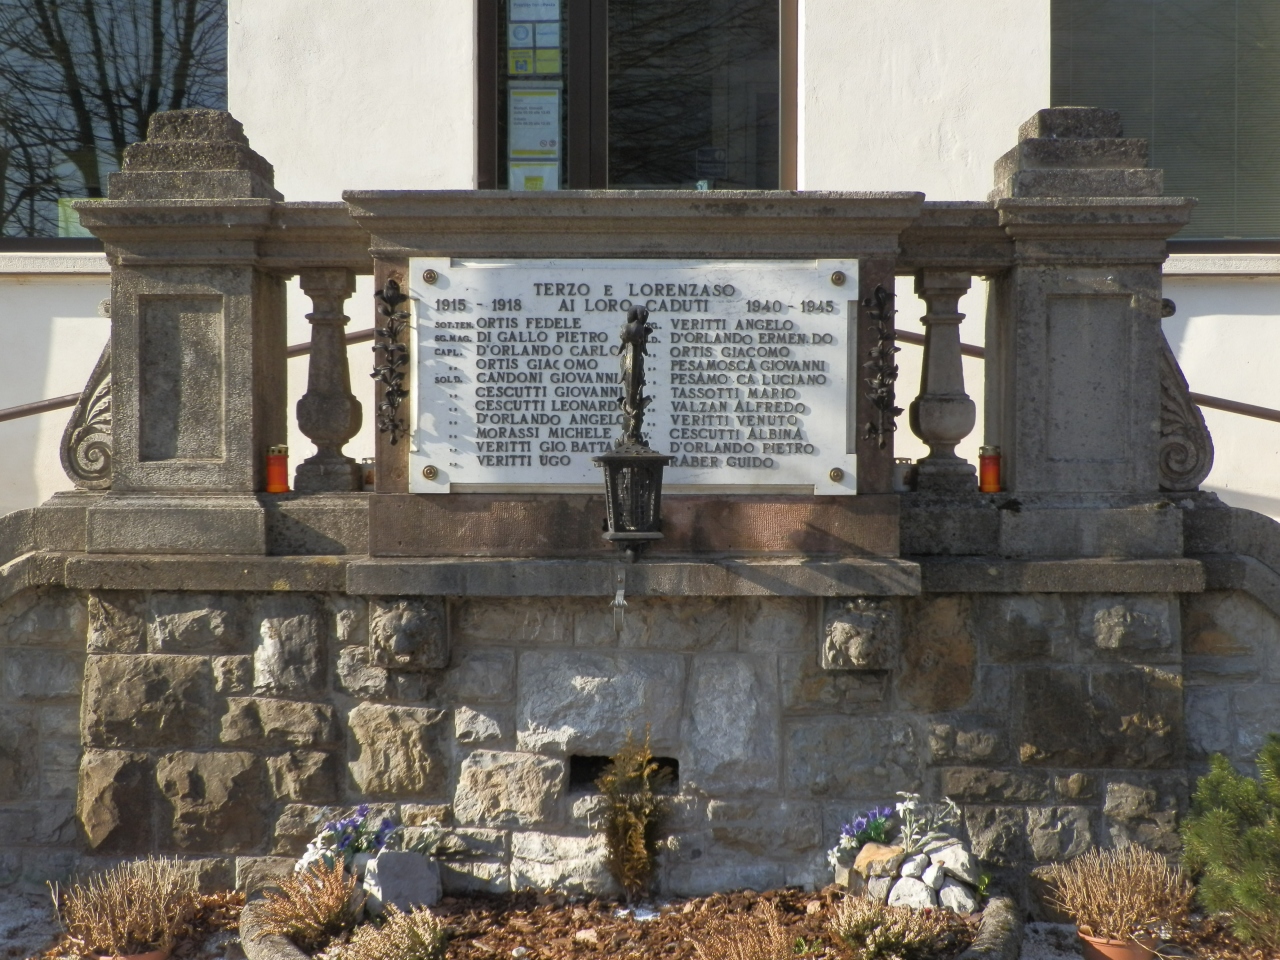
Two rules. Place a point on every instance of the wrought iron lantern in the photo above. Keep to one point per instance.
(632, 471)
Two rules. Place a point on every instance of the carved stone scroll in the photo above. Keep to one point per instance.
(86, 442)
(1186, 448)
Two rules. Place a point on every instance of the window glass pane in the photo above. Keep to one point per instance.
(693, 93)
(532, 46)
(1201, 80)
(78, 83)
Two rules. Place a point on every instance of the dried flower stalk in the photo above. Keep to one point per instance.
(135, 907)
(1120, 894)
(758, 936)
(417, 935)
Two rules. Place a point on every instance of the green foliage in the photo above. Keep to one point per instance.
(634, 811)
(984, 883)
(1232, 844)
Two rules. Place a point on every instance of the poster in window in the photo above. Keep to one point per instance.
(531, 10)
(533, 126)
(522, 175)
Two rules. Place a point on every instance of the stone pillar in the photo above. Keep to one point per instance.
(1074, 339)
(943, 414)
(197, 340)
(328, 413)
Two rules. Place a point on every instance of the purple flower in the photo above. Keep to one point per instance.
(859, 824)
(362, 811)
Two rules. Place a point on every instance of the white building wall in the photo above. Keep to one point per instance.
(356, 94)
(51, 333)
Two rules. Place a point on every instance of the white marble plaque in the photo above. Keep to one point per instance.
(516, 376)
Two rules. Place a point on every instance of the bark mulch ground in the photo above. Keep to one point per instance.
(550, 927)
(1211, 939)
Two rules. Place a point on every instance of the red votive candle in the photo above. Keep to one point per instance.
(989, 469)
(278, 469)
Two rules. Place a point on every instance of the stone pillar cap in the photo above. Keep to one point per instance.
(1072, 123)
(197, 124)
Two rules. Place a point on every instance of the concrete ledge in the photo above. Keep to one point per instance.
(656, 578)
(154, 523)
(97, 572)
(1101, 575)
(1234, 572)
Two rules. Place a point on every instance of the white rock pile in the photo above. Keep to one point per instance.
(943, 873)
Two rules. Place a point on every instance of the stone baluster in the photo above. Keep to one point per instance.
(328, 413)
(943, 414)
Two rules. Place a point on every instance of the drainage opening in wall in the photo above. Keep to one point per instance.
(585, 771)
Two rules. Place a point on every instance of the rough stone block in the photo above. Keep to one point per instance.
(1209, 722)
(233, 675)
(59, 721)
(117, 622)
(967, 740)
(778, 829)
(116, 799)
(44, 617)
(195, 623)
(255, 873)
(358, 676)
(464, 844)
(957, 898)
(808, 688)
(860, 634)
(1141, 627)
(154, 700)
(498, 789)
(217, 801)
(588, 702)
(877, 759)
(1059, 833)
(699, 880)
(260, 722)
(998, 835)
(462, 877)
(409, 633)
(980, 785)
(513, 621)
(1017, 627)
(403, 880)
(730, 727)
(422, 814)
(1145, 812)
(481, 675)
(1257, 713)
(541, 861)
(401, 750)
(38, 675)
(289, 632)
(685, 623)
(939, 654)
(913, 893)
(774, 624)
(1123, 717)
(1075, 786)
(305, 776)
(480, 726)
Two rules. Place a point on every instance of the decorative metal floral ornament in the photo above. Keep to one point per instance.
(395, 357)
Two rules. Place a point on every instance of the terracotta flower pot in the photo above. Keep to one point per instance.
(152, 955)
(1098, 948)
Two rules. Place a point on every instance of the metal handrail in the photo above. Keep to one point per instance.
(916, 339)
(1201, 399)
(61, 403)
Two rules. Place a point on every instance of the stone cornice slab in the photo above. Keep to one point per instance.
(658, 223)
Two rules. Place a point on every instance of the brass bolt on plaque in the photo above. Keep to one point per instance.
(836, 474)
(430, 472)
(430, 276)
(838, 278)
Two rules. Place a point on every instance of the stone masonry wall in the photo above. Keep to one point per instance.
(224, 728)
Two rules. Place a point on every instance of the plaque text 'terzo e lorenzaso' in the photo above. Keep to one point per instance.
(516, 374)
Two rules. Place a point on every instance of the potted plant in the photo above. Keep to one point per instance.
(134, 911)
(1120, 900)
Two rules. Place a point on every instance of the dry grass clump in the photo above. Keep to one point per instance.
(417, 935)
(758, 936)
(874, 931)
(1115, 894)
(135, 907)
(313, 906)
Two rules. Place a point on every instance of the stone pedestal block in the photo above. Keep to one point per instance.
(1074, 338)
